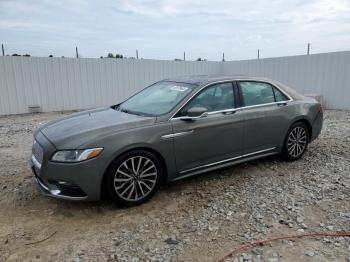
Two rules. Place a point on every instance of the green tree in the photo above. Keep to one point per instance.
(110, 55)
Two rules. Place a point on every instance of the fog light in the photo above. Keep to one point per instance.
(63, 183)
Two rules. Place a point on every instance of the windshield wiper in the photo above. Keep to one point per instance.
(127, 111)
(124, 110)
(119, 108)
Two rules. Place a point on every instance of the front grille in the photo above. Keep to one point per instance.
(38, 152)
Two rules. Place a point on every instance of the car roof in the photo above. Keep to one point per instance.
(207, 79)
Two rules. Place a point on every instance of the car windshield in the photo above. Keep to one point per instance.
(157, 99)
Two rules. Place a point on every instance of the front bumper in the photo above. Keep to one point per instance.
(55, 189)
(71, 181)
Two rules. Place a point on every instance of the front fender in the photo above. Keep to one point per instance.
(148, 137)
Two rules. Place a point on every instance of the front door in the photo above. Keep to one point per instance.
(214, 138)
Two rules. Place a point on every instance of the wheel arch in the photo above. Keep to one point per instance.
(307, 123)
(145, 148)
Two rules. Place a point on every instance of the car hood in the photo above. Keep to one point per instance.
(73, 131)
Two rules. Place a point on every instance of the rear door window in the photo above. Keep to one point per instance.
(256, 93)
(279, 95)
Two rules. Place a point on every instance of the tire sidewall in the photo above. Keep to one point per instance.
(114, 167)
(285, 152)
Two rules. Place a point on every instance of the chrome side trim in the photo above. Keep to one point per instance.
(42, 185)
(227, 160)
(177, 134)
(238, 108)
(36, 162)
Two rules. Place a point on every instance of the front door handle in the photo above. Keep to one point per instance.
(229, 112)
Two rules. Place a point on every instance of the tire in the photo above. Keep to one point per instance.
(134, 177)
(296, 142)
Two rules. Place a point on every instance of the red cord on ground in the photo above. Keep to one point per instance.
(268, 240)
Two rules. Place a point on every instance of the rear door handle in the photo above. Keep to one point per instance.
(229, 112)
(281, 103)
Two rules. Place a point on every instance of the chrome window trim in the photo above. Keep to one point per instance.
(230, 110)
(237, 108)
(233, 110)
(273, 85)
(262, 105)
(209, 84)
(227, 160)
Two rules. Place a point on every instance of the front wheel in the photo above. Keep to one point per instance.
(296, 142)
(134, 178)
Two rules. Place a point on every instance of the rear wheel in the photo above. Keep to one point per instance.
(296, 142)
(134, 177)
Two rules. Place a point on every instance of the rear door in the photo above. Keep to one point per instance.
(217, 137)
(264, 108)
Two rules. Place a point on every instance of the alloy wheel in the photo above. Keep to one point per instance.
(135, 178)
(297, 141)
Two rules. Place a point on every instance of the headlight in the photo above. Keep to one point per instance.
(76, 155)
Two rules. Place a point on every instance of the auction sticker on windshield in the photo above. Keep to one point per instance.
(179, 88)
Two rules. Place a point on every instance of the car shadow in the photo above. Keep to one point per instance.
(168, 193)
(224, 172)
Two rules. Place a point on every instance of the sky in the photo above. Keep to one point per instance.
(164, 29)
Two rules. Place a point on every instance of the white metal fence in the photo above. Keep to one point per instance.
(324, 74)
(67, 83)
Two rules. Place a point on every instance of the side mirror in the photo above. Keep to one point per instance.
(197, 112)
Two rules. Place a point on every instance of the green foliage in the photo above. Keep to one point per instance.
(110, 55)
(15, 54)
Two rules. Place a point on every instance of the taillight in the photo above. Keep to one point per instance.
(320, 109)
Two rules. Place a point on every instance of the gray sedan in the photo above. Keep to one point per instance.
(173, 129)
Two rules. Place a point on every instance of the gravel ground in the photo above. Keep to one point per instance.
(197, 219)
